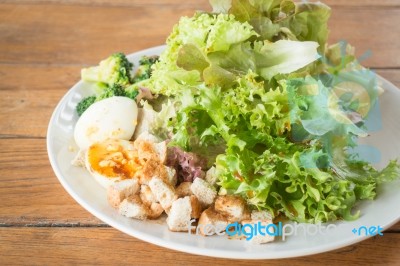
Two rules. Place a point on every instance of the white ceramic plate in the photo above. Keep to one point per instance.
(87, 192)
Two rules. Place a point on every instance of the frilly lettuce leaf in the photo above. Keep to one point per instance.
(254, 89)
(281, 19)
(207, 33)
(266, 59)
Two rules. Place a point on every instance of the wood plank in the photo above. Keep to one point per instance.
(124, 3)
(193, 3)
(28, 96)
(31, 194)
(27, 112)
(351, 25)
(29, 191)
(82, 35)
(43, 246)
(361, 3)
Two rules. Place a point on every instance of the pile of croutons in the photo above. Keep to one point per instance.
(154, 190)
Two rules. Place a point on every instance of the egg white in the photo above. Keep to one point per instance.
(114, 117)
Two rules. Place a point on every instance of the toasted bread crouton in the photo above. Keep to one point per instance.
(161, 151)
(163, 191)
(233, 207)
(179, 215)
(211, 222)
(133, 207)
(144, 119)
(258, 238)
(261, 215)
(146, 136)
(183, 189)
(146, 195)
(171, 175)
(155, 210)
(145, 174)
(120, 190)
(196, 207)
(204, 192)
(148, 150)
(211, 176)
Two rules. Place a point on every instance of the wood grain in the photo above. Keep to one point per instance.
(192, 3)
(76, 34)
(105, 246)
(373, 42)
(30, 194)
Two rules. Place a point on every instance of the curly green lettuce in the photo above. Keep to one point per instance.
(254, 88)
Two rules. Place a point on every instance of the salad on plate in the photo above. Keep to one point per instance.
(247, 117)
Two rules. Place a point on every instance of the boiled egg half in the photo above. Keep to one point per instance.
(112, 160)
(114, 117)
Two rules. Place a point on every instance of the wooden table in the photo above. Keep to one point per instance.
(43, 46)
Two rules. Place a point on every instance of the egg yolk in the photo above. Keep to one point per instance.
(112, 160)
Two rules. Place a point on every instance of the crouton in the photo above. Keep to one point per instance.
(183, 189)
(204, 192)
(146, 195)
(261, 215)
(145, 174)
(146, 136)
(120, 190)
(258, 238)
(211, 176)
(144, 119)
(155, 210)
(163, 191)
(196, 207)
(161, 150)
(171, 175)
(133, 207)
(179, 215)
(233, 207)
(211, 222)
(148, 150)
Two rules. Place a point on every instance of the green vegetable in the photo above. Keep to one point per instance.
(84, 104)
(113, 70)
(113, 90)
(144, 71)
(112, 78)
(210, 33)
(256, 81)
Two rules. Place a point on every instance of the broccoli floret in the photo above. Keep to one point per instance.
(113, 70)
(131, 92)
(148, 60)
(112, 76)
(84, 104)
(117, 90)
(113, 90)
(144, 70)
